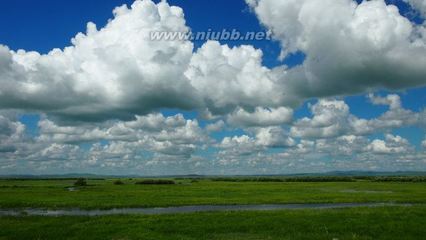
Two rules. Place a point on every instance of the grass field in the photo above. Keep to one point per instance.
(357, 223)
(104, 194)
(361, 223)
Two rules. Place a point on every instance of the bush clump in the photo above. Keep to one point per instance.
(80, 182)
(285, 179)
(155, 182)
(247, 179)
(118, 182)
(400, 179)
(321, 179)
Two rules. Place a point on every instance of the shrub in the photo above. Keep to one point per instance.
(118, 182)
(247, 179)
(80, 182)
(155, 182)
(401, 179)
(321, 179)
(286, 179)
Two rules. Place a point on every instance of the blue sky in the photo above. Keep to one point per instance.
(41, 26)
(44, 25)
(49, 24)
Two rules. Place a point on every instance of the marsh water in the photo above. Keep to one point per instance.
(183, 209)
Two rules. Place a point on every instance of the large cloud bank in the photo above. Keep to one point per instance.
(100, 99)
(350, 48)
(118, 71)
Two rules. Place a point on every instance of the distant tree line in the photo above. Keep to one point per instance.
(155, 182)
(322, 179)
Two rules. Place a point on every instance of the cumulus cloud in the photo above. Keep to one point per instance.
(260, 117)
(230, 77)
(332, 118)
(172, 135)
(11, 134)
(239, 145)
(349, 47)
(121, 144)
(235, 150)
(216, 127)
(345, 152)
(424, 143)
(392, 100)
(56, 151)
(391, 145)
(114, 72)
(346, 145)
(101, 98)
(395, 117)
(118, 71)
(419, 5)
(273, 137)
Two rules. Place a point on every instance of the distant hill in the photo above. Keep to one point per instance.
(363, 173)
(96, 176)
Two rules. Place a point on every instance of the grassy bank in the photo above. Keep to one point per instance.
(105, 194)
(360, 223)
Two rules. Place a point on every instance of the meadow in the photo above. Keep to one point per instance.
(101, 194)
(389, 222)
(359, 223)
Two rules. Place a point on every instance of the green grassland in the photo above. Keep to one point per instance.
(104, 194)
(360, 223)
(391, 222)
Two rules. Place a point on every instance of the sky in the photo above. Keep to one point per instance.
(339, 86)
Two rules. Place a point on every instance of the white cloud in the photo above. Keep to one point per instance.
(419, 5)
(98, 98)
(391, 145)
(330, 119)
(302, 148)
(118, 72)
(272, 137)
(144, 144)
(216, 127)
(235, 149)
(395, 117)
(261, 117)
(58, 152)
(392, 100)
(346, 145)
(50, 132)
(238, 146)
(154, 125)
(114, 72)
(349, 47)
(11, 134)
(229, 77)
